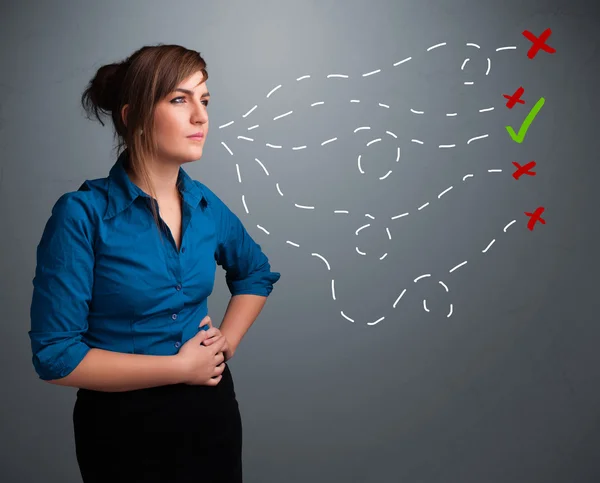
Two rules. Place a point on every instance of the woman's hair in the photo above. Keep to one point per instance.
(141, 80)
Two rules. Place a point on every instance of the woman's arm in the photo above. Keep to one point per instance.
(241, 313)
(103, 370)
(60, 306)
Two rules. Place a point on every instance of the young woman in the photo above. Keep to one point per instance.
(124, 269)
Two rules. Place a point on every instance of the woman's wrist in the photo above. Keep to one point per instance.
(179, 368)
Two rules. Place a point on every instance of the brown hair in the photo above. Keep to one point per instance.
(141, 80)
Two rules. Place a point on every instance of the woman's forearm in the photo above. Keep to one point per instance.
(108, 371)
(240, 314)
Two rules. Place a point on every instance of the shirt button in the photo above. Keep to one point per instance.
(177, 344)
(174, 316)
(178, 286)
(182, 249)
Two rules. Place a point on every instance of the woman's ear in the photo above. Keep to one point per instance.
(124, 111)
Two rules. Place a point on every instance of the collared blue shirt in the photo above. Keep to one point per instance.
(105, 278)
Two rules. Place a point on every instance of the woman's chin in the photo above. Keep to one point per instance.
(194, 154)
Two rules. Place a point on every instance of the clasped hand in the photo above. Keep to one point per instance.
(204, 365)
(213, 335)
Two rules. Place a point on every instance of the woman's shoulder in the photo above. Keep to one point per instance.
(88, 202)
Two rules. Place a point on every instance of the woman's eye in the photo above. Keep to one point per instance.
(205, 102)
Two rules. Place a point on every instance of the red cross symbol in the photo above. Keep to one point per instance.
(538, 43)
(535, 217)
(516, 97)
(521, 170)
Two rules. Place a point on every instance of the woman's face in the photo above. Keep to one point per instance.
(179, 116)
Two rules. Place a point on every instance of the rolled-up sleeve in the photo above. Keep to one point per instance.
(62, 289)
(247, 268)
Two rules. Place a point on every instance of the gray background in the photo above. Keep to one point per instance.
(506, 389)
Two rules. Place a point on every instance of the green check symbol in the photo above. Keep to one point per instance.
(518, 138)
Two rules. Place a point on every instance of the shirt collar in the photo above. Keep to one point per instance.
(122, 191)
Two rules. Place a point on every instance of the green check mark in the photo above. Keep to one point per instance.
(518, 138)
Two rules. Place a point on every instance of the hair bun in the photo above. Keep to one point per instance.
(105, 87)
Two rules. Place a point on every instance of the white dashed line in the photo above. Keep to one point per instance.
(457, 266)
(262, 165)
(362, 228)
(506, 227)
(376, 322)
(322, 258)
(487, 248)
(402, 61)
(436, 46)
(425, 275)
(417, 141)
(476, 138)
(273, 90)
(250, 111)
(282, 115)
(444, 192)
(399, 297)
(226, 147)
(346, 317)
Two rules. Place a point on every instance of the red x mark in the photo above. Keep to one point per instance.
(521, 170)
(535, 217)
(538, 43)
(516, 97)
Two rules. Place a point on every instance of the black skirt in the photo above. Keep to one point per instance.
(168, 434)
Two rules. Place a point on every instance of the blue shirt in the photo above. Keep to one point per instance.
(105, 278)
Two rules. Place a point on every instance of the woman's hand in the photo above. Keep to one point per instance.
(202, 365)
(213, 334)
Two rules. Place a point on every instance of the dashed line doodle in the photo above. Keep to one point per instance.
(375, 136)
